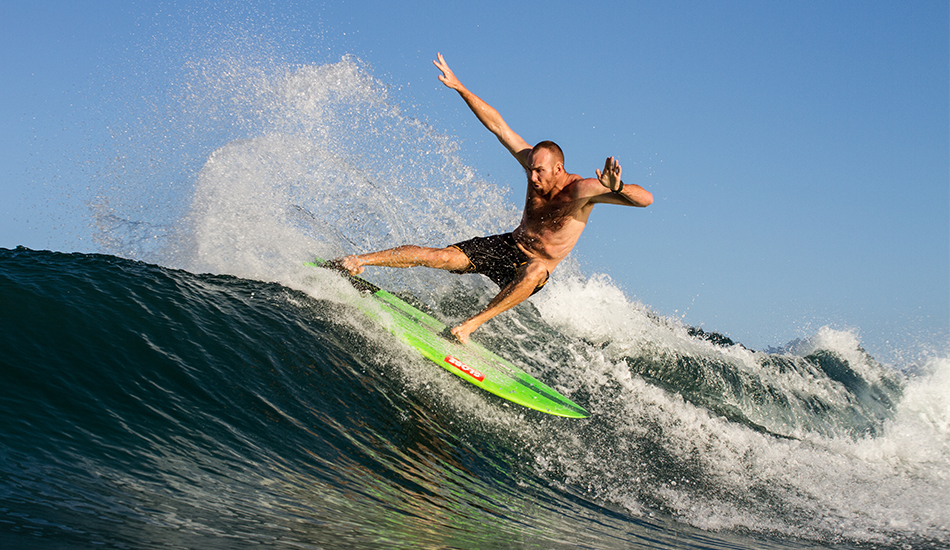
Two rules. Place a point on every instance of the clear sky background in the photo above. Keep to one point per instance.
(798, 151)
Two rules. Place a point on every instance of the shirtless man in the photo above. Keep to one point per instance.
(555, 213)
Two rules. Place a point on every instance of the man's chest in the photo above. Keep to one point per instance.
(556, 211)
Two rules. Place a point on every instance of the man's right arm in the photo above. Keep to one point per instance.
(486, 114)
(613, 191)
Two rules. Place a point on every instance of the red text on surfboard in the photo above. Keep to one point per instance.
(464, 368)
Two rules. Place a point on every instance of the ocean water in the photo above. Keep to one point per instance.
(194, 385)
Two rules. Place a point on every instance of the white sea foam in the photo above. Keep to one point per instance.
(653, 447)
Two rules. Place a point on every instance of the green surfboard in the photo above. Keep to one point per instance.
(470, 362)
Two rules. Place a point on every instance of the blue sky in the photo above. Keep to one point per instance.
(798, 151)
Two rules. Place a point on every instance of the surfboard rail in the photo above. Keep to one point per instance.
(471, 362)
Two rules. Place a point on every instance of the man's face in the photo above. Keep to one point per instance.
(542, 170)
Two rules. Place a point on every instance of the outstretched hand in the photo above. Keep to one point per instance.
(447, 77)
(610, 177)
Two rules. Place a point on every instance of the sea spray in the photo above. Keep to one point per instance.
(339, 170)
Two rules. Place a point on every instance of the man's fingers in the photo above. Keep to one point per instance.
(440, 63)
(611, 166)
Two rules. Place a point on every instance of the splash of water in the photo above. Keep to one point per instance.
(339, 169)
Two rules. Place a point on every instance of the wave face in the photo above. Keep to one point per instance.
(197, 385)
(147, 407)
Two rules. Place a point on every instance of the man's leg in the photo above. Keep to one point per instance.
(520, 289)
(449, 258)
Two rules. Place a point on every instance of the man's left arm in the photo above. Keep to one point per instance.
(615, 191)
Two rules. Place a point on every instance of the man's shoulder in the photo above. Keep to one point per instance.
(585, 187)
(576, 181)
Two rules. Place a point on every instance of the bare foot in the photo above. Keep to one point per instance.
(350, 264)
(462, 333)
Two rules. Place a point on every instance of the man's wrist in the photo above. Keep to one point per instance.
(618, 190)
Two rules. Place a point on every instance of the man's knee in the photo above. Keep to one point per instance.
(533, 274)
(537, 269)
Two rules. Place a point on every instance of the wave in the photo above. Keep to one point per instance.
(142, 395)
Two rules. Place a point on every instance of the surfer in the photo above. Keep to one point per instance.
(556, 209)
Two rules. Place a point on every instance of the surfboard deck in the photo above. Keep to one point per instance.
(471, 362)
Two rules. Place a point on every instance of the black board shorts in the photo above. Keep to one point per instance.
(496, 257)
